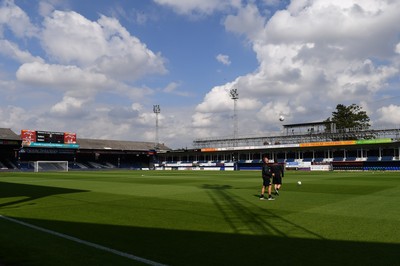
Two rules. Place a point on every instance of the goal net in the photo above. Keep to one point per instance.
(42, 166)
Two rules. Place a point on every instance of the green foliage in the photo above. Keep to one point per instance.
(349, 117)
(350, 121)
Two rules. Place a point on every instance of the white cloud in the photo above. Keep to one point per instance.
(202, 119)
(172, 88)
(104, 46)
(60, 77)
(68, 37)
(14, 117)
(389, 115)
(193, 7)
(69, 107)
(271, 111)
(74, 81)
(46, 7)
(247, 21)
(217, 100)
(16, 20)
(224, 59)
(272, 2)
(397, 49)
(12, 50)
(311, 56)
(137, 107)
(121, 113)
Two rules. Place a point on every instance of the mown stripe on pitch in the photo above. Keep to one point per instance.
(84, 242)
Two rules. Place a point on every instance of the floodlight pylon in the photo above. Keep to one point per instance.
(156, 110)
(235, 96)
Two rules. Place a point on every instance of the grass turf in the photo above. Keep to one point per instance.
(201, 218)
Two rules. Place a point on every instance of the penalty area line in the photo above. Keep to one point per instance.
(84, 242)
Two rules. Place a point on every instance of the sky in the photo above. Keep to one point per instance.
(97, 68)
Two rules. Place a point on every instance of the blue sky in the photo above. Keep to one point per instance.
(97, 67)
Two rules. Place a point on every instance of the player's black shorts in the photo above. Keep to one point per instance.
(277, 180)
(266, 181)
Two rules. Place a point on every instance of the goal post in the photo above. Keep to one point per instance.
(45, 166)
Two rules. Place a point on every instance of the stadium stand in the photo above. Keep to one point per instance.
(381, 154)
(91, 154)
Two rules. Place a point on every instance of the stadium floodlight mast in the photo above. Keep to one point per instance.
(234, 96)
(156, 110)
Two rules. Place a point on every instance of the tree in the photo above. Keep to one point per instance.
(350, 117)
(350, 120)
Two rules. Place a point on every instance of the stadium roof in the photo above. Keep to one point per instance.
(96, 144)
(321, 123)
(103, 144)
(8, 134)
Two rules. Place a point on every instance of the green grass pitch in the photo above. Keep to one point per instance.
(200, 218)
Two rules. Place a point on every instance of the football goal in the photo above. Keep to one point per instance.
(42, 166)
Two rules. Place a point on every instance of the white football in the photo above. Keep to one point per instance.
(281, 118)
(299, 183)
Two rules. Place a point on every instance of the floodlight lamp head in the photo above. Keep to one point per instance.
(156, 109)
(234, 94)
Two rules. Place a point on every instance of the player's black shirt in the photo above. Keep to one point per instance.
(266, 171)
(277, 169)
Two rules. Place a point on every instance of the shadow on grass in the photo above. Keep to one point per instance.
(22, 193)
(175, 247)
(242, 219)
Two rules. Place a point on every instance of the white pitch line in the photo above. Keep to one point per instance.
(87, 243)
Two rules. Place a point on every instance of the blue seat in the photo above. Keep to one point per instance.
(373, 158)
(338, 159)
(387, 158)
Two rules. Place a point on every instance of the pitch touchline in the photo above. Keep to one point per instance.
(87, 243)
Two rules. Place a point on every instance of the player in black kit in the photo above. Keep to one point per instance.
(277, 174)
(266, 176)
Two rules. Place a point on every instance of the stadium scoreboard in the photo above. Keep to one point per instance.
(36, 138)
(50, 137)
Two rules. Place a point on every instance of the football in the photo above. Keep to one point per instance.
(281, 118)
(299, 183)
